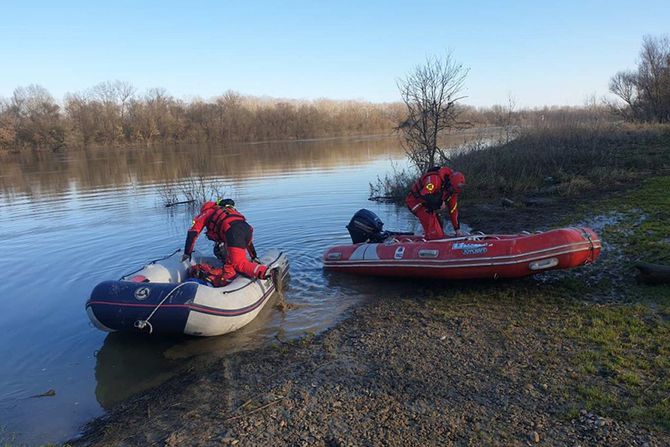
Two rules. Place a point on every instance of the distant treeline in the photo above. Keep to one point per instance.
(114, 114)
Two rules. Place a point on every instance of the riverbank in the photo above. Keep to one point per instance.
(567, 358)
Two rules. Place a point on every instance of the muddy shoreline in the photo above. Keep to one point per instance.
(467, 364)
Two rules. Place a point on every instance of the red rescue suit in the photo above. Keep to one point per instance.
(233, 238)
(427, 196)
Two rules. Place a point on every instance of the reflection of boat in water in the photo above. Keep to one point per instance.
(127, 364)
(377, 252)
(160, 299)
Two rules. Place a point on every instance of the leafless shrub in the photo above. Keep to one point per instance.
(430, 93)
(192, 192)
(393, 187)
(168, 194)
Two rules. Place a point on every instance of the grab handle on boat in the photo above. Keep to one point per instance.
(149, 263)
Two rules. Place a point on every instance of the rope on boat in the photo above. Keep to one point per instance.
(588, 236)
(141, 324)
(150, 263)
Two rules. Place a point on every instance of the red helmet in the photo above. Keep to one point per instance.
(457, 181)
(207, 205)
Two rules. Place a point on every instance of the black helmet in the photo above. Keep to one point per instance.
(224, 203)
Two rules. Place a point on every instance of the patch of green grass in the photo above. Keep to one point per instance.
(595, 397)
(624, 360)
(644, 230)
(570, 413)
(619, 353)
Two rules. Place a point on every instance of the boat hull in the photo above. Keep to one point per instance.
(472, 257)
(174, 305)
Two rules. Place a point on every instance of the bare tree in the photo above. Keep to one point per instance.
(430, 93)
(124, 93)
(7, 125)
(623, 84)
(506, 118)
(646, 92)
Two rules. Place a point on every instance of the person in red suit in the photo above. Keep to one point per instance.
(433, 191)
(232, 237)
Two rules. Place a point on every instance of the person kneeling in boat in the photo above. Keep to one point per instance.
(434, 191)
(232, 237)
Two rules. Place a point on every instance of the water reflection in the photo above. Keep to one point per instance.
(127, 364)
(45, 173)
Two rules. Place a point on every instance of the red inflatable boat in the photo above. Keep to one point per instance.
(470, 257)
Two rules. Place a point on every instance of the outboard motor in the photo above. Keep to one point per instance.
(366, 226)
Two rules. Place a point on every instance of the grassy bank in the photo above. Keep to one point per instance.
(567, 160)
(623, 358)
(643, 230)
(606, 338)
(611, 359)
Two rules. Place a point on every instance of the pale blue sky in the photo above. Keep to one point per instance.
(556, 52)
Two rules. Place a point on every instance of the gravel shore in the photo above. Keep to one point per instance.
(401, 372)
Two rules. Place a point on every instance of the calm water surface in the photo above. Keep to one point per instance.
(69, 221)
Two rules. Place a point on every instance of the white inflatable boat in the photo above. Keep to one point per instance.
(160, 299)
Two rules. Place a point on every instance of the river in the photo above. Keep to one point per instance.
(70, 220)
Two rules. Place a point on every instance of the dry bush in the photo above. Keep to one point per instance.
(393, 187)
(193, 191)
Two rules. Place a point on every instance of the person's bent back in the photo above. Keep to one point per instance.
(434, 191)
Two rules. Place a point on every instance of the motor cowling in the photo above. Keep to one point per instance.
(366, 226)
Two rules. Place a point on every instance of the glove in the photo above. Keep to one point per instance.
(185, 258)
(269, 272)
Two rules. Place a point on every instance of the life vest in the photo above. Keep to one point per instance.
(220, 221)
(434, 199)
(208, 274)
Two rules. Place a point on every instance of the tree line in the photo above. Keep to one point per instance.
(113, 113)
